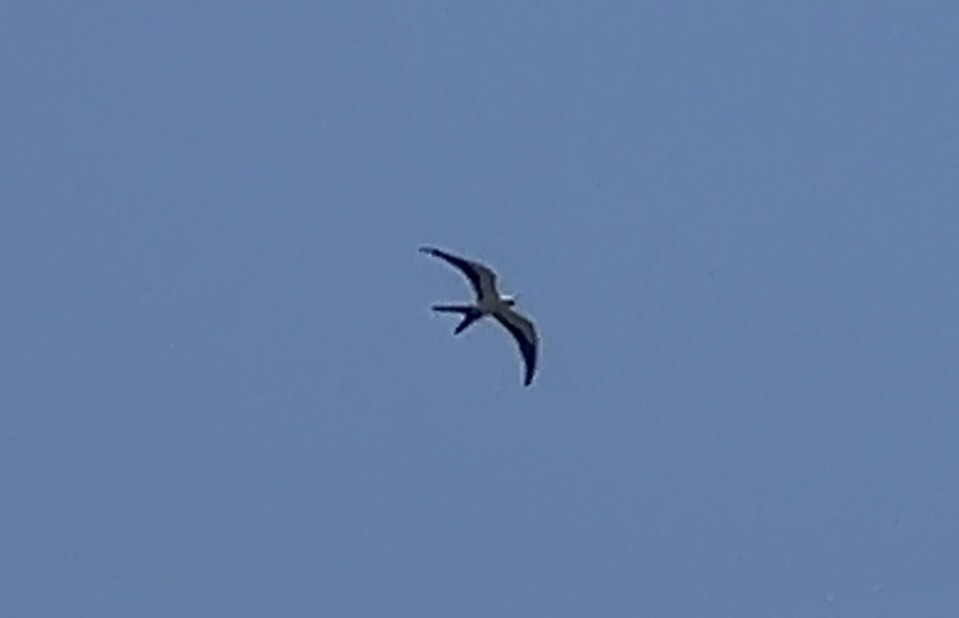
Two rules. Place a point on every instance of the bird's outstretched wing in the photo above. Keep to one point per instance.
(524, 332)
(481, 277)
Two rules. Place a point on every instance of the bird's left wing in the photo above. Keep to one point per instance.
(524, 332)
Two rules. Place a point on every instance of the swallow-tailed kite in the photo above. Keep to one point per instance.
(490, 302)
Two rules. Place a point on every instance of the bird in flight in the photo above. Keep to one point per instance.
(489, 302)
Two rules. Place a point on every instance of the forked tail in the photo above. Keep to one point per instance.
(452, 309)
(470, 315)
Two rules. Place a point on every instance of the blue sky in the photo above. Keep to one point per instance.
(223, 393)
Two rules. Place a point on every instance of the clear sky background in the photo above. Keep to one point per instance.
(222, 392)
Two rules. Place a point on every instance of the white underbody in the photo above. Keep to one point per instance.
(490, 305)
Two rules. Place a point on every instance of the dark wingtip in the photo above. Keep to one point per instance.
(425, 249)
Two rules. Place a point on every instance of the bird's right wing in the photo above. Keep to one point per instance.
(481, 277)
